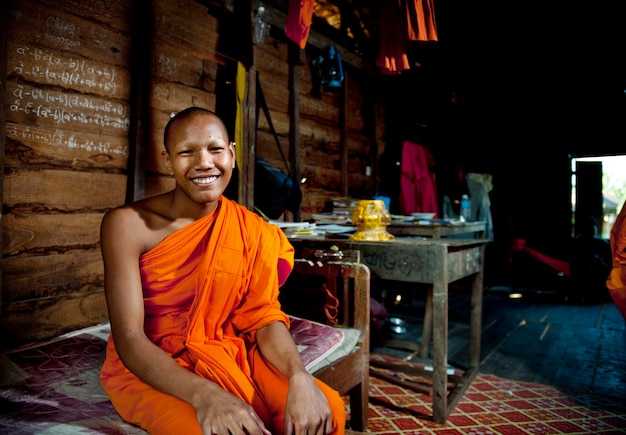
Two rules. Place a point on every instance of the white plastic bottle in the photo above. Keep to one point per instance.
(466, 208)
(260, 26)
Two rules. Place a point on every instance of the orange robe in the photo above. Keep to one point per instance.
(402, 21)
(616, 282)
(207, 288)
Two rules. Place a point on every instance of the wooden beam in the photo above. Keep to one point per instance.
(4, 18)
(371, 128)
(343, 132)
(295, 60)
(139, 131)
(248, 148)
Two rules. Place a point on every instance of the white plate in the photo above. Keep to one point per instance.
(423, 215)
(336, 229)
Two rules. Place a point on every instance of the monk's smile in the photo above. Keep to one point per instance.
(205, 180)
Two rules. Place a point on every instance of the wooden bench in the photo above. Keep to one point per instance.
(349, 282)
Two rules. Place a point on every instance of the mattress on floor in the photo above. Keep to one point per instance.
(54, 388)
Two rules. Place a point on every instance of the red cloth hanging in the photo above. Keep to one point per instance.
(402, 21)
(299, 20)
(418, 191)
(555, 263)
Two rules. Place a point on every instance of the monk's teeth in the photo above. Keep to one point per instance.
(204, 180)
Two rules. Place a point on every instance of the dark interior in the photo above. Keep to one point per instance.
(513, 91)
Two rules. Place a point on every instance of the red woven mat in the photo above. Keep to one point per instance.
(493, 405)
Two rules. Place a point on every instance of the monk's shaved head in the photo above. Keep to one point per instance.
(186, 114)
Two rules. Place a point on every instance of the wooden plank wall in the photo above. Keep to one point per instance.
(68, 119)
(320, 129)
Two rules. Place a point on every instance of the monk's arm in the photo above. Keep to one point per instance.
(121, 244)
(307, 408)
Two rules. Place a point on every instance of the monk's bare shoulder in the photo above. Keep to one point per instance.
(143, 223)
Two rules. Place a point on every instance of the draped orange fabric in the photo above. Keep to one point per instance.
(402, 21)
(299, 20)
(616, 282)
(207, 288)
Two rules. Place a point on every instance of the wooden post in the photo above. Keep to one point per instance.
(139, 99)
(343, 130)
(3, 67)
(371, 128)
(295, 60)
(248, 148)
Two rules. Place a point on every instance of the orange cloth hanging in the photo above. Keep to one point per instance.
(299, 20)
(402, 21)
(421, 24)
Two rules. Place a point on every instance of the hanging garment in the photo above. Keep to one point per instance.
(479, 186)
(402, 21)
(418, 191)
(299, 20)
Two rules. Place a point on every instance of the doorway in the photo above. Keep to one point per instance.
(606, 174)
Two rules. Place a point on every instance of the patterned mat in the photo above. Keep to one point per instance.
(493, 405)
(54, 389)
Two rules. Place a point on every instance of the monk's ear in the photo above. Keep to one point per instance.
(167, 162)
(233, 153)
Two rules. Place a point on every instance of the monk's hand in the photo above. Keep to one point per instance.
(307, 411)
(222, 413)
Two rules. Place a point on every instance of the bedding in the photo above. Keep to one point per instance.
(54, 387)
(320, 344)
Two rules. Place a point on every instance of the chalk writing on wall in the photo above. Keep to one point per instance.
(63, 108)
(37, 64)
(162, 91)
(167, 66)
(60, 26)
(62, 138)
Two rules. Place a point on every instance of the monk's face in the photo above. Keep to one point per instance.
(200, 156)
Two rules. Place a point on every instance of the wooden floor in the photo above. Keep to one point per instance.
(537, 338)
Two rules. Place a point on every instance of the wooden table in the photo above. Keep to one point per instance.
(438, 230)
(431, 261)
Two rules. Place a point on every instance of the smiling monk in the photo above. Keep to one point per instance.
(199, 344)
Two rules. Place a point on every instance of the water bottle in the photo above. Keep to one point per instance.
(260, 26)
(466, 208)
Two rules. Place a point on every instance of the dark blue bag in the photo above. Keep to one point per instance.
(274, 191)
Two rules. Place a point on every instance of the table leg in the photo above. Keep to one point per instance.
(440, 337)
(476, 315)
(428, 324)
